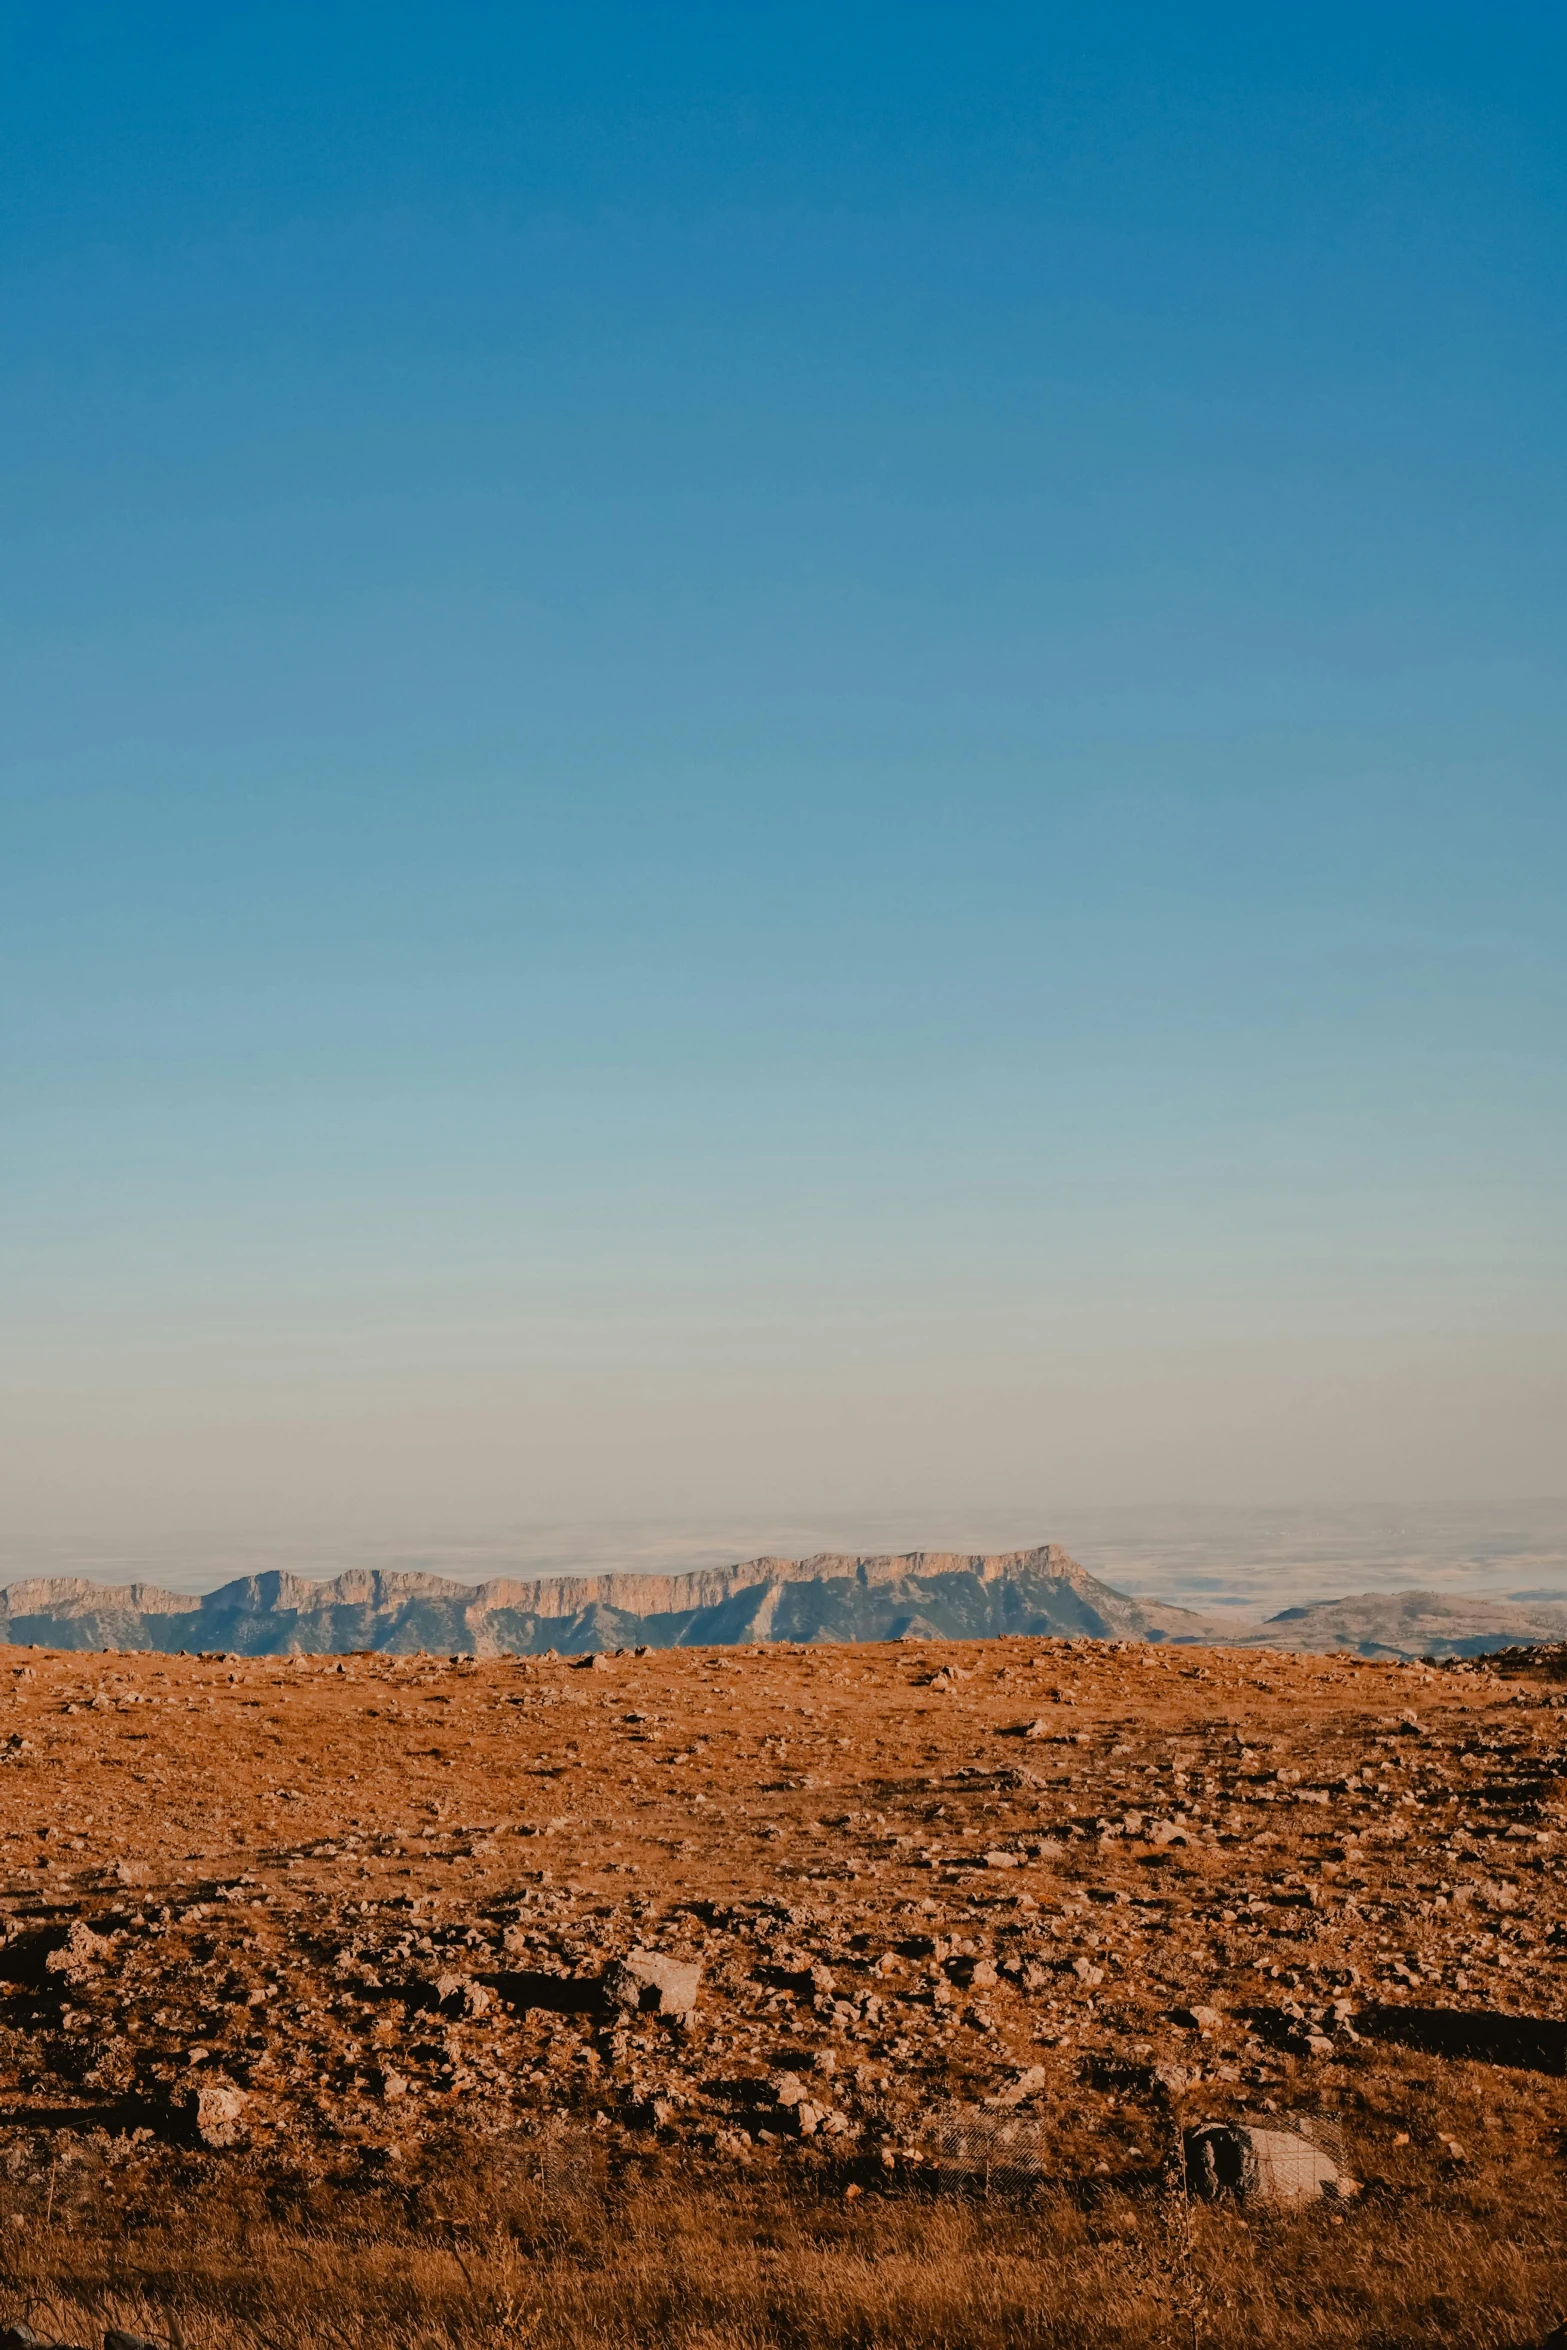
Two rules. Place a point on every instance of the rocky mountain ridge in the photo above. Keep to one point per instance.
(832, 1597)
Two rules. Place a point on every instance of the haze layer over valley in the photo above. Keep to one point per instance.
(1239, 1569)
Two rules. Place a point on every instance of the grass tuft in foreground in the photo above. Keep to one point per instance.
(480, 2253)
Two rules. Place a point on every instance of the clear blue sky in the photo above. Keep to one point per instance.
(802, 758)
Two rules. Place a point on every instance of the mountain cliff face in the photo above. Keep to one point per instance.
(928, 1594)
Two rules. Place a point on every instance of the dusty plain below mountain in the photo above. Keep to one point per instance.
(308, 2034)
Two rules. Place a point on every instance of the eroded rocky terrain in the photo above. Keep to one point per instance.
(315, 1910)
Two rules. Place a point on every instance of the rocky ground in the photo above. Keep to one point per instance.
(296, 1915)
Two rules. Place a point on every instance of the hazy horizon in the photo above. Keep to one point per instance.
(1232, 1563)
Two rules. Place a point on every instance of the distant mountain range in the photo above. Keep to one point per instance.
(1414, 1623)
(926, 1595)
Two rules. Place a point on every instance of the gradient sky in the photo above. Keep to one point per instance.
(784, 759)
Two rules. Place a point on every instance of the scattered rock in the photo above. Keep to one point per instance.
(79, 1953)
(654, 1983)
(1033, 2077)
(459, 1995)
(1260, 2166)
(209, 2113)
(427, 1971)
(975, 1974)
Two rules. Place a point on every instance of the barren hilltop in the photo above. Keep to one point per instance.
(600, 2001)
(1414, 1623)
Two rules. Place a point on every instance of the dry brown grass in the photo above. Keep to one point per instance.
(479, 2254)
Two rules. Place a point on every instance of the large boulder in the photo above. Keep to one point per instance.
(1260, 2166)
(208, 2113)
(654, 1983)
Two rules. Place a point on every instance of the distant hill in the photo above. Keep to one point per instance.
(927, 1594)
(1414, 1623)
